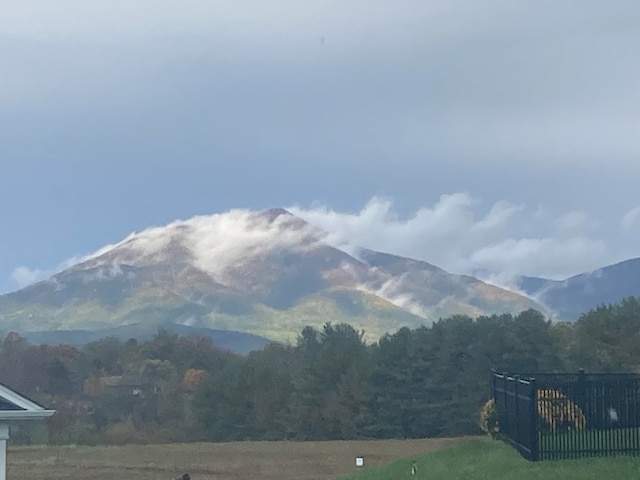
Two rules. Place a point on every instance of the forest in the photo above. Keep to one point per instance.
(424, 382)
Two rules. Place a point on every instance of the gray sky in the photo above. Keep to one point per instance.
(120, 115)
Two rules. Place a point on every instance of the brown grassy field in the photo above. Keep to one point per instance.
(209, 461)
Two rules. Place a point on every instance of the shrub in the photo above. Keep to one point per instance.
(76, 433)
(123, 433)
(488, 420)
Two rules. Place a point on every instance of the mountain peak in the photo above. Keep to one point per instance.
(272, 213)
(218, 245)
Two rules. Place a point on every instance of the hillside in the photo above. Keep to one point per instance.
(578, 294)
(266, 273)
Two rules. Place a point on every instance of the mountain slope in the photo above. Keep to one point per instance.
(578, 294)
(267, 273)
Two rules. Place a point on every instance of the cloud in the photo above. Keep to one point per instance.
(530, 101)
(414, 80)
(216, 244)
(231, 241)
(24, 276)
(391, 290)
(459, 235)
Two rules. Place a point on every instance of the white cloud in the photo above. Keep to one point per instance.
(230, 241)
(391, 290)
(546, 257)
(24, 276)
(458, 236)
(216, 244)
(106, 272)
(458, 233)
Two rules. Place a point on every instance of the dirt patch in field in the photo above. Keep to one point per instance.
(213, 461)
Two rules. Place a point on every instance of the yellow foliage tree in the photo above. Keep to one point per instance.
(488, 420)
(192, 378)
(557, 409)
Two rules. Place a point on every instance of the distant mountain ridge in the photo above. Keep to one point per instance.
(236, 342)
(265, 273)
(578, 294)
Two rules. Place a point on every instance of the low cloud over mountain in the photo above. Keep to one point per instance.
(499, 242)
(268, 273)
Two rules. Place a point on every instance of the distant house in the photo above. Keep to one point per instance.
(121, 385)
(112, 384)
(14, 406)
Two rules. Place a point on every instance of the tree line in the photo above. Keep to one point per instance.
(424, 382)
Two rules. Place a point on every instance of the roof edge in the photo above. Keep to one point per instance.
(19, 400)
(25, 414)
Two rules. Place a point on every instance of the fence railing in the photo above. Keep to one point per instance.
(554, 416)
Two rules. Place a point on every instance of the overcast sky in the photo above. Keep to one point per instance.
(498, 135)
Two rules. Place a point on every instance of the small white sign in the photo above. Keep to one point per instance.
(359, 462)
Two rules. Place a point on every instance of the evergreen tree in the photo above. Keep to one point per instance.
(330, 387)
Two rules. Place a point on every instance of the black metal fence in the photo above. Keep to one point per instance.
(555, 416)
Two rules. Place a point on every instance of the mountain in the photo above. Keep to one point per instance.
(236, 342)
(266, 273)
(578, 294)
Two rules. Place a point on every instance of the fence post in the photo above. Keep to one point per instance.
(533, 418)
(581, 393)
(516, 381)
(507, 425)
(493, 384)
(581, 377)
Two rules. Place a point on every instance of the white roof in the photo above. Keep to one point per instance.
(25, 409)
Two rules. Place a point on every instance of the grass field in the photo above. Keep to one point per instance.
(485, 459)
(208, 461)
(436, 459)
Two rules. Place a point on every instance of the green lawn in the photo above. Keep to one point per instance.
(494, 460)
